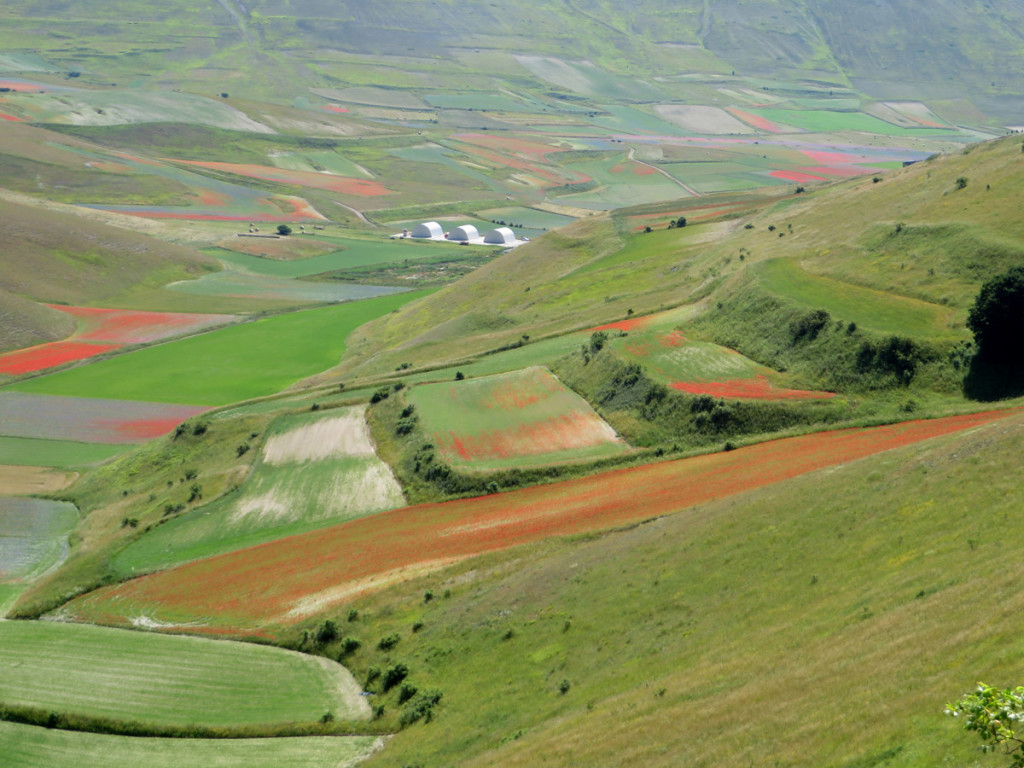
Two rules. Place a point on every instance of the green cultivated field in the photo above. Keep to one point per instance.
(868, 308)
(226, 365)
(34, 452)
(25, 746)
(152, 678)
(519, 419)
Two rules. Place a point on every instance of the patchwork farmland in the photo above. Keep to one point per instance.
(315, 471)
(718, 437)
(386, 548)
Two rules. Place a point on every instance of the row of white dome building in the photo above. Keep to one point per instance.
(467, 233)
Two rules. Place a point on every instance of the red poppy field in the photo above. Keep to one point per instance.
(757, 388)
(126, 326)
(104, 330)
(43, 356)
(287, 580)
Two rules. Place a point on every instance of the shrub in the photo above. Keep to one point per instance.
(284, 229)
(349, 646)
(327, 633)
(394, 675)
(388, 642)
(372, 675)
(381, 394)
(808, 326)
(420, 707)
(406, 692)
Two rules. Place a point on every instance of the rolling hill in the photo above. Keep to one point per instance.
(707, 469)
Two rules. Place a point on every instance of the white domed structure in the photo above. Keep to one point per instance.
(500, 236)
(428, 230)
(465, 233)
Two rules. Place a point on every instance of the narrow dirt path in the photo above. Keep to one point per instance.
(666, 174)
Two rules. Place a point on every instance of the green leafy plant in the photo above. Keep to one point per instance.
(992, 713)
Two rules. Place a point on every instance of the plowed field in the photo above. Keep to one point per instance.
(286, 580)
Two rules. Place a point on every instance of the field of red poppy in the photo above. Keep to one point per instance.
(103, 330)
(285, 581)
(126, 326)
(43, 356)
(757, 388)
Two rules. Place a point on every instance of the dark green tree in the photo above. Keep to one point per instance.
(997, 318)
(284, 229)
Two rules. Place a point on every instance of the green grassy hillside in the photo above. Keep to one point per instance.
(59, 258)
(26, 322)
(905, 254)
(826, 620)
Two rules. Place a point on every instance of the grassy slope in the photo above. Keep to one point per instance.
(277, 500)
(26, 746)
(785, 627)
(927, 272)
(161, 678)
(24, 323)
(54, 257)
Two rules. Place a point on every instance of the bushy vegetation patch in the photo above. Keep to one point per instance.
(649, 413)
(147, 487)
(829, 352)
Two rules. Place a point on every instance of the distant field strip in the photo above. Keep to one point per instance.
(867, 307)
(263, 584)
(344, 185)
(88, 420)
(153, 678)
(25, 746)
(104, 330)
(125, 326)
(35, 452)
(512, 419)
(226, 365)
(43, 356)
(316, 470)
